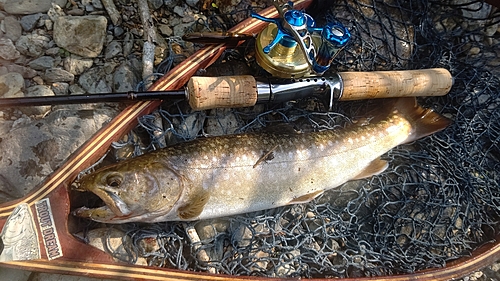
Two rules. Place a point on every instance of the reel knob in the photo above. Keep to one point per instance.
(276, 45)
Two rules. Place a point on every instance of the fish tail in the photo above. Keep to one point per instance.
(423, 121)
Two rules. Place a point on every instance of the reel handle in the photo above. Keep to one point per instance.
(390, 84)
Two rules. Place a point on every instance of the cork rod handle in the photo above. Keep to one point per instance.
(402, 83)
(225, 91)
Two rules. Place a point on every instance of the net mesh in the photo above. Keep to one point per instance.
(439, 199)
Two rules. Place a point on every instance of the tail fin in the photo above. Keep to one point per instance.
(423, 121)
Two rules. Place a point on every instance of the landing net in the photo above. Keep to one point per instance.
(439, 199)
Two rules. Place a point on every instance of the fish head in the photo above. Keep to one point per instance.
(131, 191)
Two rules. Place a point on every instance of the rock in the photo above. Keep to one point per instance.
(13, 29)
(77, 65)
(26, 7)
(473, 10)
(42, 63)
(48, 24)
(165, 29)
(180, 29)
(155, 4)
(118, 31)
(89, 79)
(58, 75)
(114, 242)
(128, 44)
(179, 11)
(112, 50)
(11, 85)
(97, 4)
(102, 87)
(38, 80)
(124, 78)
(55, 12)
(26, 72)
(76, 12)
(32, 45)
(29, 22)
(170, 3)
(60, 89)
(192, 3)
(37, 91)
(83, 36)
(53, 51)
(75, 89)
(8, 50)
(226, 122)
(32, 151)
(209, 229)
(113, 13)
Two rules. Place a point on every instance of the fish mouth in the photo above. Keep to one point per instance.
(108, 202)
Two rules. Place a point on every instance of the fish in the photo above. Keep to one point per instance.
(220, 176)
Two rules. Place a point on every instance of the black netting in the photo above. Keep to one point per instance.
(438, 200)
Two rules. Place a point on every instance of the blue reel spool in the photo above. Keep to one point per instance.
(276, 45)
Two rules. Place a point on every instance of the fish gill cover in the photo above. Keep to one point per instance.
(438, 200)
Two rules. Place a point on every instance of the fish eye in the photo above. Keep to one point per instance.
(114, 180)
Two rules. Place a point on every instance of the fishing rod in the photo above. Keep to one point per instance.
(245, 90)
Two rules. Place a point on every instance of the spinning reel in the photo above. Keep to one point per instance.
(292, 45)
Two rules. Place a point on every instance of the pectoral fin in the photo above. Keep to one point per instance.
(376, 167)
(194, 206)
(306, 198)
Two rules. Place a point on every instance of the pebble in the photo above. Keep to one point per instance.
(125, 78)
(112, 50)
(165, 29)
(179, 11)
(155, 4)
(55, 12)
(7, 50)
(26, 7)
(76, 64)
(60, 88)
(11, 85)
(88, 79)
(170, 3)
(42, 63)
(26, 72)
(128, 44)
(30, 21)
(58, 75)
(32, 45)
(83, 36)
(192, 3)
(13, 29)
(118, 31)
(75, 89)
(113, 13)
(97, 4)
